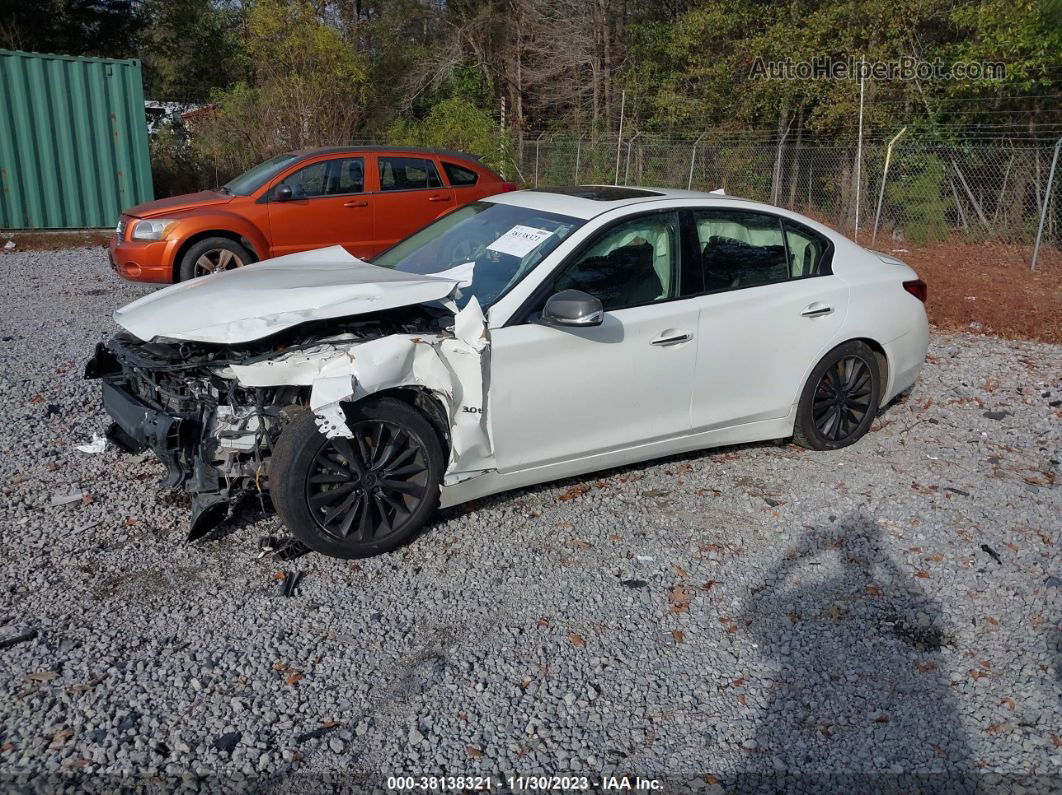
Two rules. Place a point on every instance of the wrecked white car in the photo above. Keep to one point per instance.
(528, 337)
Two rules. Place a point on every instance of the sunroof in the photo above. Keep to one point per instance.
(601, 193)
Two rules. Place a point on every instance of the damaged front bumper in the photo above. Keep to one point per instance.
(182, 430)
(213, 411)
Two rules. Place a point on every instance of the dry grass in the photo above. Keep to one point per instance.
(990, 285)
(54, 241)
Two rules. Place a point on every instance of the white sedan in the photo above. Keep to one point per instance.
(531, 336)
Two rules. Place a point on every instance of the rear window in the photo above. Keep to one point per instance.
(460, 176)
(408, 173)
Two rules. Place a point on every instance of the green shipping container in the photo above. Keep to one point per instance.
(73, 141)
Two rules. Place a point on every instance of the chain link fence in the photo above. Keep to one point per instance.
(982, 192)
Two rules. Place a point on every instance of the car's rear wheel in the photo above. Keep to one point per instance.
(359, 496)
(212, 255)
(840, 398)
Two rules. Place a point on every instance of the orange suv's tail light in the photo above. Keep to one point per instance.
(917, 288)
(508, 186)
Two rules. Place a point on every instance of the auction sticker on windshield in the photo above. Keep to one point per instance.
(519, 241)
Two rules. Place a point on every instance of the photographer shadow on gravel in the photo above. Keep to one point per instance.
(860, 701)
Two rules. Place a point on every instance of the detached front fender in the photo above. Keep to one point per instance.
(452, 368)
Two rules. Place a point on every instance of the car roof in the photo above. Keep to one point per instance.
(421, 150)
(588, 201)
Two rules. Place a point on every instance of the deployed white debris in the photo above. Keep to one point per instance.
(97, 445)
(249, 303)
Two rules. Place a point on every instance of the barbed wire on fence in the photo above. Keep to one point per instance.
(997, 189)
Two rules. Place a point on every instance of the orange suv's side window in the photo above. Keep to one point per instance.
(335, 177)
(460, 176)
(407, 173)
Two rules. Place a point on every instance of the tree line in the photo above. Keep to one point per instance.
(482, 74)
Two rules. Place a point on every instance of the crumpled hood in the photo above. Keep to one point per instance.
(249, 303)
(176, 204)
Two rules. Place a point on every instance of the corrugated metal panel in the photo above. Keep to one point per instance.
(73, 141)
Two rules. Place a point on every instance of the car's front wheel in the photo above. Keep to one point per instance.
(212, 255)
(840, 398)
(359, 496)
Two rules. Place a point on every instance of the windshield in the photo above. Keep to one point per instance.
(489, 247)
(250, 181)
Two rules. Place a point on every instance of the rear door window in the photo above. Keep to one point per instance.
(459, 176)
(407, 173)
(740, 249)
(808, 253)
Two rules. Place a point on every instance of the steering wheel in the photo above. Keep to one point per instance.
(461, 251)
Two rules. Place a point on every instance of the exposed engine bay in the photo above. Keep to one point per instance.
(213, 412)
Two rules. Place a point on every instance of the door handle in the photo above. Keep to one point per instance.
(438, 198)
(672, 337)
(356, 203)
(817, 309)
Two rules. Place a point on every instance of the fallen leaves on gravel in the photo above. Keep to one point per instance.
(474, 752)
(680, 598)
(84, 687)
(678, 636)
(294, 678)
(41, 676)
(576, 640)
(575, 491)
(680, 572)
(61, 737)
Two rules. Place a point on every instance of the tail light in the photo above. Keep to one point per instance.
(508, 186)
(917, 288)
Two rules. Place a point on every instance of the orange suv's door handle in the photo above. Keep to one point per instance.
(356, 203)
(438, 198)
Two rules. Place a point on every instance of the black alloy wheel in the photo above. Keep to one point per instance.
(840, 398)
(362, 495)
(365, 486)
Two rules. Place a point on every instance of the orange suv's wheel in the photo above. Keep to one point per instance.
(212, 255)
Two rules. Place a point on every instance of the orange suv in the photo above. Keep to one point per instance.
(362, 198)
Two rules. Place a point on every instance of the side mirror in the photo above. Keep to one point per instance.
(282, 193)
(572, 308)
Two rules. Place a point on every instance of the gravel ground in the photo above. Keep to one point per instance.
(890, 610)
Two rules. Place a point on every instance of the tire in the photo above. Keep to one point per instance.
(840, 398)
(369, 514)
(212, 255)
